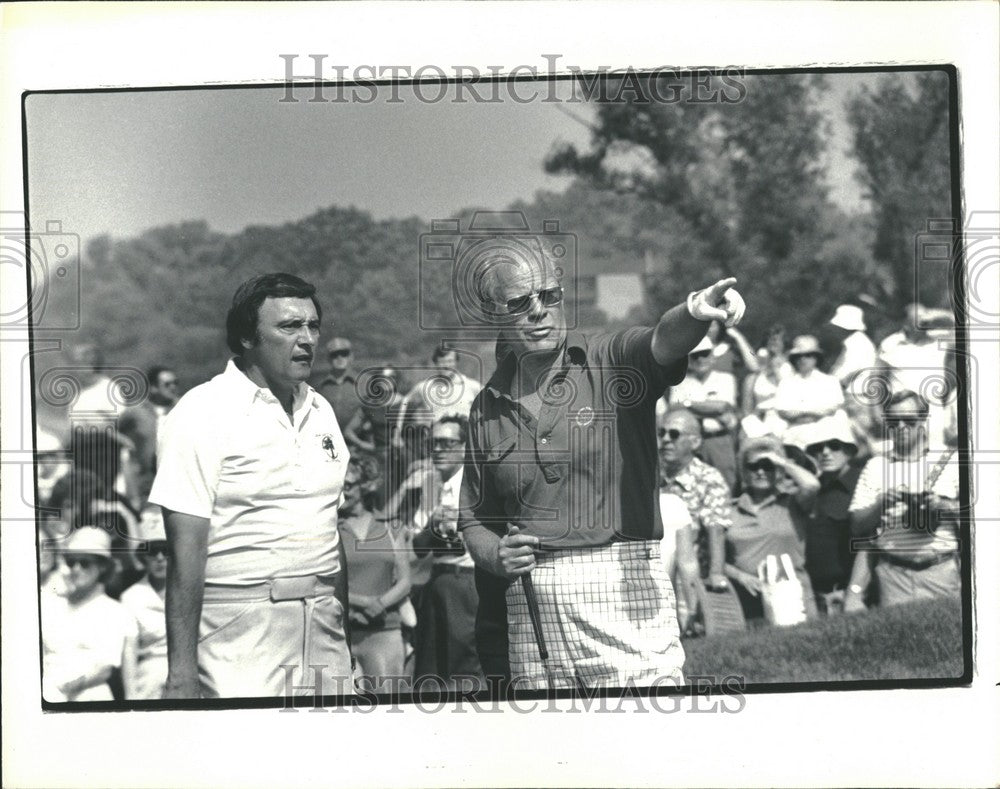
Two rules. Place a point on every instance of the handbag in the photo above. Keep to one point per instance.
(781, 591)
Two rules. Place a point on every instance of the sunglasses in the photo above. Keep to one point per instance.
(168, 383)
(446, 443)
(157, 548)
(834, 445)
(84, 562)
(339, 354)
(549, 297)
(901, 421)
(672, 434)
(699, 355)
(761, 465)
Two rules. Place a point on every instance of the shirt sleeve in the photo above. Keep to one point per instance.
(869, 487)
(716, 507)
(478, 503)
(633, 348)
(188, 463)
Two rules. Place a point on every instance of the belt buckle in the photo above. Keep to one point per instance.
(292, 588)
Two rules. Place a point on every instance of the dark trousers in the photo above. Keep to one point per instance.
(446, 638)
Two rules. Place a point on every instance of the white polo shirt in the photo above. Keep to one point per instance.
(268, 487)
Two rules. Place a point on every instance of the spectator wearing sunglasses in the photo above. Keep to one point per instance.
(807, 394)
(145, 601)
(142, 423)
(768, 521)
(711, 395)
(829, 558)
(445, 638)
(905, 509)
(338, 386)
(561, 475)
(702, 489)
(88, 639)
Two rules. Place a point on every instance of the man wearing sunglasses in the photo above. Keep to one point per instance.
(560, 485)
(905, 510)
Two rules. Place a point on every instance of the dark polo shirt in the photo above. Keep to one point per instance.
(342, 395)
(584, 472)
(829, 559)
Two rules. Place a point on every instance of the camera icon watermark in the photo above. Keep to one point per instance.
(50, 262)
(945, 244)
(457, 266)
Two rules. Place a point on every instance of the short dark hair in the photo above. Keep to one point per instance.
(153, 373)
(907, 394)
(442, 350)
(241, 321)
(457, 419)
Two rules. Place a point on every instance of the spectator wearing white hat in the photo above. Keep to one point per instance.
(711, 396)
(87, 638)
(857, 350)
(145, 600)
(829, 558)
(808, 394)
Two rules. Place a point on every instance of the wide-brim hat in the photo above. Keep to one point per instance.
(804, 345)
(89, 540)
(828, 428)
(755, 447)
(849, 318)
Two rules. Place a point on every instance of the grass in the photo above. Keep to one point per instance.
(922, 640)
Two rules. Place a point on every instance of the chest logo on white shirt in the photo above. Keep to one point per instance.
(326, 441)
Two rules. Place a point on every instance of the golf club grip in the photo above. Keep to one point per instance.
(534, 615)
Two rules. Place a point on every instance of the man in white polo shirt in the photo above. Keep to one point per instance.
(251, 467)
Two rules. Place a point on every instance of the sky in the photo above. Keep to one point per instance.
(120, 163)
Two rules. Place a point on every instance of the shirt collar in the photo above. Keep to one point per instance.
(249, 392)
(685, 477)
(746, 504)
(574, 352)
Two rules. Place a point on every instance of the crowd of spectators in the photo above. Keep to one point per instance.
(769, 457)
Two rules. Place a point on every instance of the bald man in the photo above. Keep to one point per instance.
(702, 488)
(559, 495)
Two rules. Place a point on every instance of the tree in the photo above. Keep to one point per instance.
(901, 140)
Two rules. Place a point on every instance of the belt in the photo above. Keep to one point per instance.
(912, 564)
(275, 589)
(451, 569)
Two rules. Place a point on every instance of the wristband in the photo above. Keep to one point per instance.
(690, 304)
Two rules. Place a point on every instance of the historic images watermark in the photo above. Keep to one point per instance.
(311, 78)
(321, 692)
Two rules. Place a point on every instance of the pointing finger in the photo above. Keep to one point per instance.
(720, 287)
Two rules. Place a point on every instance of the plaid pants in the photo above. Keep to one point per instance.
(608, 617)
